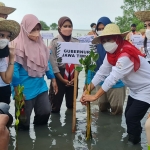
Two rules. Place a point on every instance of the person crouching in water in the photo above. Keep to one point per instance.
(114, 98)
(31, 65)
(123, 62)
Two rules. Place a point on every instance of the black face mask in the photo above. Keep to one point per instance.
(133, 30)
(4, 52)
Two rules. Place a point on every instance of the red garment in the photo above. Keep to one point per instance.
(69, 72)
(124, 47)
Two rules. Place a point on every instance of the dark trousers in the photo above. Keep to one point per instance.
(56, 100)
(42, 109)
(135, 111)
(5, 93)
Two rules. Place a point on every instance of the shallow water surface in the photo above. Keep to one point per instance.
(109, 132)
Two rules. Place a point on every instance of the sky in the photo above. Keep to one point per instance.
(81, 12)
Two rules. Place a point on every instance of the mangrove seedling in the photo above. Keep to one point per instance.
(88, 63)
(19, 104)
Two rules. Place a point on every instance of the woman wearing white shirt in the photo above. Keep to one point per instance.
(123, 61)
(9, 30)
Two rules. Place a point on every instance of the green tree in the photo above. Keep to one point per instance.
(44, 25)
(53, 26)
(129, 7)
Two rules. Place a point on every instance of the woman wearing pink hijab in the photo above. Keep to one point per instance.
(31, 64)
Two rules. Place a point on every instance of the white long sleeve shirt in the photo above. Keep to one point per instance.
(138, 82)
(3, 68)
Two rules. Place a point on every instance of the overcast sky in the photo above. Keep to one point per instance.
(81, 12)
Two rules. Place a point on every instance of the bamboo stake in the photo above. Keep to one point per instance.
(88, 131)
(74, 100)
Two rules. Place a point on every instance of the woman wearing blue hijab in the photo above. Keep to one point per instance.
(114, 99)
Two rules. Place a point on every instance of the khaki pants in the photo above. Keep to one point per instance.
(113, 99)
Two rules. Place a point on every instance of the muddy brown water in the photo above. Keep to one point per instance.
(109, 132)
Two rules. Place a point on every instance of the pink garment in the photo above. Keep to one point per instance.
(33, 56)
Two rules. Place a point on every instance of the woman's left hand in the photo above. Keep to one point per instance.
(55, 87)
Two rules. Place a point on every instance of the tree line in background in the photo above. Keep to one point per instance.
(128, 18)
(53, 26)
(124, 22)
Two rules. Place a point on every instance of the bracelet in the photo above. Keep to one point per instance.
(11, 63)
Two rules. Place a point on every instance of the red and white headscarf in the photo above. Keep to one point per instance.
(124, 49)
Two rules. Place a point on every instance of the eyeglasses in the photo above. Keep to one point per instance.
(100, 29)
(147, 25)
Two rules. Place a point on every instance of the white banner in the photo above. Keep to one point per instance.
(137, 41)
(86, 39)
(47, 35)
(69, 52)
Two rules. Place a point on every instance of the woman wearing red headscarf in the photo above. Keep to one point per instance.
(64, 73)
(123, 61)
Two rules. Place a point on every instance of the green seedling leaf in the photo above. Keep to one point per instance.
(95, 57)
(92, 53)
(81, 61)
(79, 68)
(17, 122)
(22, 103)
(92, 67)
(18, 113)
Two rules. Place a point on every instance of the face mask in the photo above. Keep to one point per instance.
(93, 29)
(66, 31)
(34, 35)
(4, 52)
(147, 33)
(3, 43)
(110, 47)
(133, 30)
(99, 32)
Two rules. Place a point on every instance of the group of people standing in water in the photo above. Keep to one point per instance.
(27, 60)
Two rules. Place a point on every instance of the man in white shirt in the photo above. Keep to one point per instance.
(133, 32)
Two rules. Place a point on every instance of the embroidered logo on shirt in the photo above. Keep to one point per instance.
(119, 65)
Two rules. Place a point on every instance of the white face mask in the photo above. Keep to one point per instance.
(99, 32)
(93, 29)
(110, 47)
(147, 33)
(3, 43)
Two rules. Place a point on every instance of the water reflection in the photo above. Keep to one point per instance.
(108, 133)
(61, 134)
